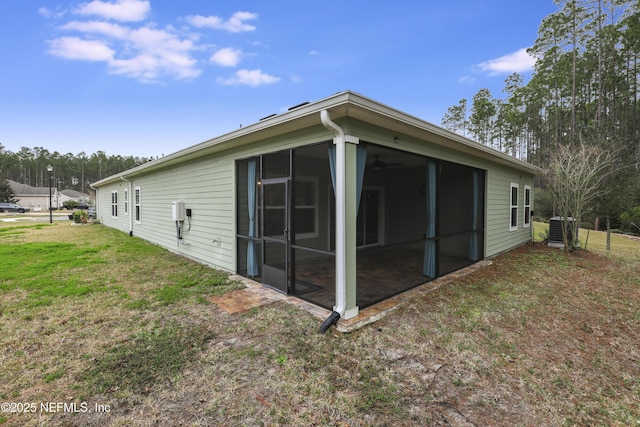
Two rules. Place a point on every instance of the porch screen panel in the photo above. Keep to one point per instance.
(461, 216)
(248, 241)
(429, 268)
(473, 239)
(361, 159)
(313, 259)
(332, 164)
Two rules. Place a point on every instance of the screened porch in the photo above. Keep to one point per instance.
(418, 218)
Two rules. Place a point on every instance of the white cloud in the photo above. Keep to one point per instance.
(466, 79)
(235, 24)
(144, 53)
(141, 51)
(149, 68)
(48, 13)
(144, 67)
(79, 49)
(98, 27)
(158, 41)
(516, 62)
(250, 78)
(120, 10)
(227, 57)
(156, 53)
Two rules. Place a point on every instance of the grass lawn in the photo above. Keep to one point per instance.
(98, 328)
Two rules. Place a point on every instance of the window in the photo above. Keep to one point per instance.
(114, 204)
(137, 204)
(514, 207)
(306, 208)
(527, 206)
(126, 201)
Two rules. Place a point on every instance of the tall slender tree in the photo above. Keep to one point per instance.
(455, 119)
(584, 87)
(483, 116)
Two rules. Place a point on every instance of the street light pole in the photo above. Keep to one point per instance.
(50, 169)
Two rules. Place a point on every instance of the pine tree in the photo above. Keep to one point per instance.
(6, 193)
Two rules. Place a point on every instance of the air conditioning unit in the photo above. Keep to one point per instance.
(555, 231)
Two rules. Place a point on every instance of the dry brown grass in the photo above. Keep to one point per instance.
(538, 338)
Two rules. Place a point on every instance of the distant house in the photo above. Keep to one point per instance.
(342, 202)
(35, 198)
(76, 196)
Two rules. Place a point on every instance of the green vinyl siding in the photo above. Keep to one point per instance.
(499, 236)
(206, 184)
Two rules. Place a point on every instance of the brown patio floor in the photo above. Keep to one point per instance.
(256, 295)
(381, 273)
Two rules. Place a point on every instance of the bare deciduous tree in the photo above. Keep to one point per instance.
(575, 177)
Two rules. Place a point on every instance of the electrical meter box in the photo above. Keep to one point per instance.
(177, 210)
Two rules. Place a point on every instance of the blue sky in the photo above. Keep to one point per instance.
(150, 77)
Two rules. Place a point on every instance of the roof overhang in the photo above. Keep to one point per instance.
(345, 104)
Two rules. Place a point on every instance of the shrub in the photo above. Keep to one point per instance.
(80, 217)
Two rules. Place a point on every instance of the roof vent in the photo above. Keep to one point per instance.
(297, 106)
(268, 117)
(555, 232)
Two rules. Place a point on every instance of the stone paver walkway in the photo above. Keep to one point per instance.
(257, 295)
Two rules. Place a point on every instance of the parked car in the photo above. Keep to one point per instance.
(91, 213)
(74, 204)
(12, 207)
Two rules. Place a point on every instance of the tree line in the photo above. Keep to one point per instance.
(583, 92)
(70, 171)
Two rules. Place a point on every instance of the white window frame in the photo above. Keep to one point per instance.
(126, 201)
(513, 204)
(114, 204)
(137, 204)
(527, 207)
(315, 207)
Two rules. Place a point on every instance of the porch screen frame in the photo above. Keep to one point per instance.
(252, 255)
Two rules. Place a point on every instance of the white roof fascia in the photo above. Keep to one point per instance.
(350, 103)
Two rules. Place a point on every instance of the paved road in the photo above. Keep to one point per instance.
(33, 217)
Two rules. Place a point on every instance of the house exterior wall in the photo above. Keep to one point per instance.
(207, 186)
(37, 202)
(499, 236)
